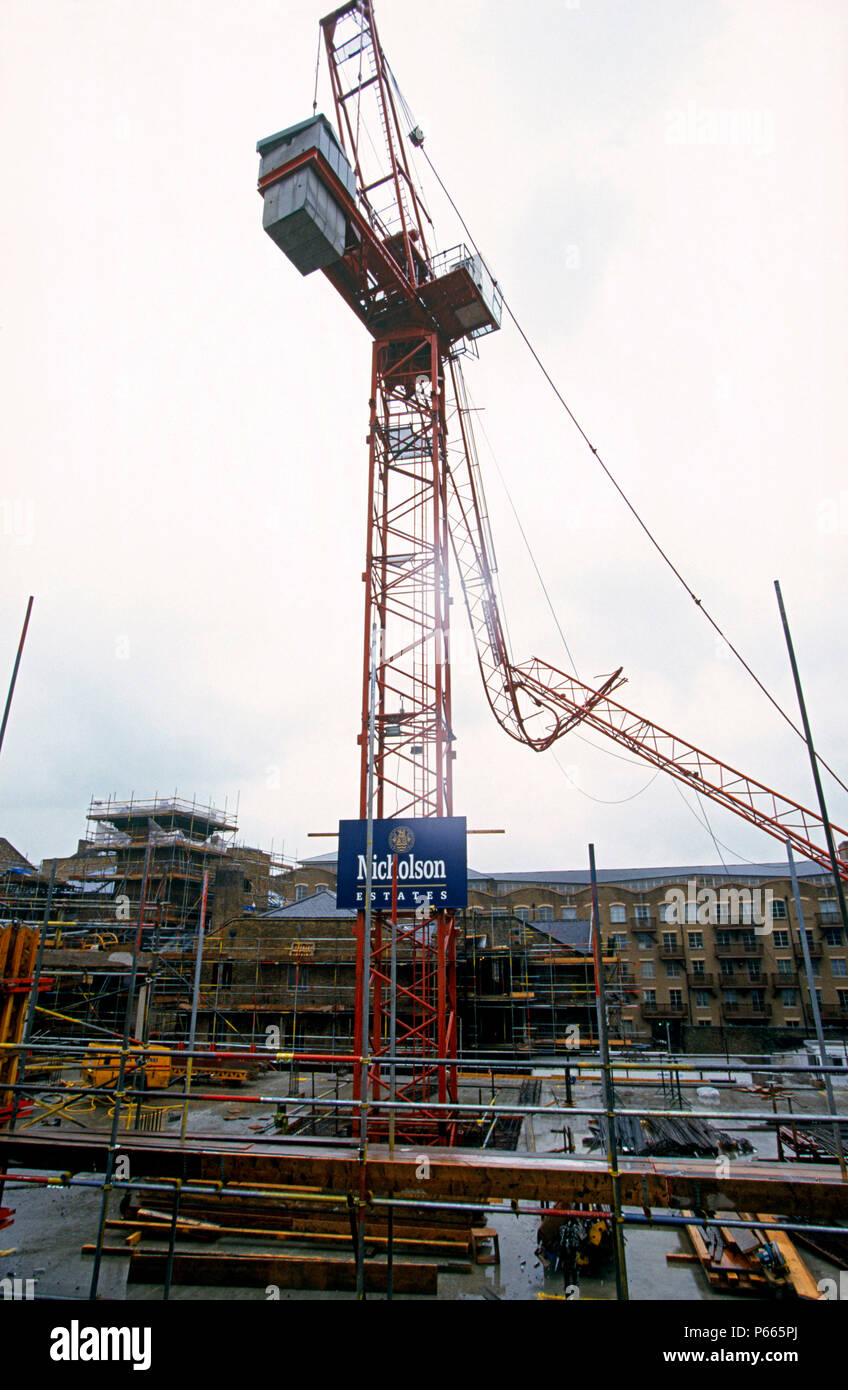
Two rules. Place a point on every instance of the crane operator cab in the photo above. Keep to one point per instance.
(311, 211)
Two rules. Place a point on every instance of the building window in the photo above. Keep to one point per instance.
(647, 969)
(618, 912)
(546, 914)
(778, 910)
(300, 891)
(522, 913)
(643, 942)
(675, 998)
(842, 996)
(702, 999)
(642, 912)
(833, 936)
(754, 970)
(618, 942)
(699, 967)
(569, 913)
(668, 912)
(790, 998)
(838, 966)
(723, 938)
(730, 996)
(298, 976)
(781, 940)
(696, 940)
(784, 966)
(672, 970)
(669, 940)
(829, 909)
(650, 997)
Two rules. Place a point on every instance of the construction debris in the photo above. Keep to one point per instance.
(748, 1260)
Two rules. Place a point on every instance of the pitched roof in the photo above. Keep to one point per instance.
(576, 933)
(318, 905)
(10, 857)
(671, 873)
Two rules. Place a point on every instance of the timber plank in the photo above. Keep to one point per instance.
(286, 1271)
(808, 1189)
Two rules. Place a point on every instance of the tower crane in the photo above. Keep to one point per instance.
(344, 201)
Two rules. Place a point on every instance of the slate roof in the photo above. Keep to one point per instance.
(318, 905)
(672, 873)
(576, 934)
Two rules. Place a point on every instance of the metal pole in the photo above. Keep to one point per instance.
(814, 763)
(366, 972)
(172, 1242)
(392, 1074)
(119, 1086)
(192, 1027)
(814, 1005)
(393, 1007)
(15, 672)
(621, 1287)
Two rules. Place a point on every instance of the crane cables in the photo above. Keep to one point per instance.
(622, 494)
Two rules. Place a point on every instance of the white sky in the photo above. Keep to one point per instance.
(184, 416)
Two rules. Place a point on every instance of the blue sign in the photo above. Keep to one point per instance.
(432, 863)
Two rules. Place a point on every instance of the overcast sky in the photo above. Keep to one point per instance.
(659, 186)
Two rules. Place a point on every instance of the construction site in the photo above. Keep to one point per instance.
(376, 1072)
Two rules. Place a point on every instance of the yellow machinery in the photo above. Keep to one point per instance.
(103, 1068)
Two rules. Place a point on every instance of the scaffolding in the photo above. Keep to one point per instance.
(110, 1050)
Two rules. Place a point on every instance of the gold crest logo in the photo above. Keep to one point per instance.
(401, 839)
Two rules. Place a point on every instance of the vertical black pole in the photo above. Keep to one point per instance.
(15, 673)
(814, 763)
(816, 1011)
(622, 1291)
(119, 1091)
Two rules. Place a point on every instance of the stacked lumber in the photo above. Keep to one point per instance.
(297, 1239)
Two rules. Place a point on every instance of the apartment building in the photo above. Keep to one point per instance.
(707, 956)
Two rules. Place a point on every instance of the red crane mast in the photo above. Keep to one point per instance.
(351, 208)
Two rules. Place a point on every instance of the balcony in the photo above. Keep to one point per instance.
(832, 1013)
(828, 919)
(744, 1011)
(671, 953)
(740, 979)
(647, 924)
(781, 981)
(663, 1010)
(705, 981)
(815, 951)
(747, 950)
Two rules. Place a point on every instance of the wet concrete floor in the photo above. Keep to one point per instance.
(51, 1225)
